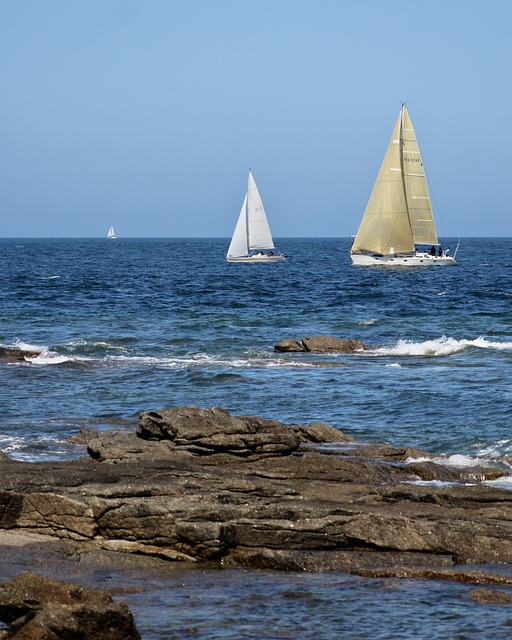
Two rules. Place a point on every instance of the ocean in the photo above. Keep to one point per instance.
(130, 325)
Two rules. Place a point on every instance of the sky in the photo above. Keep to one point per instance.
(148, 114)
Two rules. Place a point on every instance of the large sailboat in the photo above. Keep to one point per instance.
(398, 227)
(252, 240)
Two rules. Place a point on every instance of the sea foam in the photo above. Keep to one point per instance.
(443, 346)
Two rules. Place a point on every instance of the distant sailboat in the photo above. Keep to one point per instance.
(252, 236)
(398, 228)
(111, 234)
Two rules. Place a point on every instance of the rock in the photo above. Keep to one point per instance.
(491, 596)
(200, 485)
(40, 609)
(204, 432)
(16, 355)
(320, 344)
(86, 435)
(321, 433)
(289, 345)
(329, 344)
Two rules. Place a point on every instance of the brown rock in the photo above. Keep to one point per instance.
(330, 344)
(202, 485)
(290, 345)
(320, 344)
(16, 355)
(42, 609)
(491, 596)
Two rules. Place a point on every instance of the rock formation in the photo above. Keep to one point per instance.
(201, 485)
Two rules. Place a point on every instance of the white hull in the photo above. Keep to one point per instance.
(256, 258)
(417, 259)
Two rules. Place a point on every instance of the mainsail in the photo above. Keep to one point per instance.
(398, 213)
(252, 231)
(418, 199)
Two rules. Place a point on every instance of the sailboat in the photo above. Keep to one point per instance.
(398, 227)
(252, 240)
(111, 234)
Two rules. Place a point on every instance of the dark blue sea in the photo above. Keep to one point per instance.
(130, 325)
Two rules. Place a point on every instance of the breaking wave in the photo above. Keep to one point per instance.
(443, 346)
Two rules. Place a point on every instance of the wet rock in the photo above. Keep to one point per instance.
(37, 608)
(16, 355)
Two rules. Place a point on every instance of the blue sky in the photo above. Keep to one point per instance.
(147, 114)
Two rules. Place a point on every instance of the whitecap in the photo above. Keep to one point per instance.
(25, 346)
(443, 346)
(48, 357)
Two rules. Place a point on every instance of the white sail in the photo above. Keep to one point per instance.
(111, 233)
(252, 234)
(258, 230)
(239, 246)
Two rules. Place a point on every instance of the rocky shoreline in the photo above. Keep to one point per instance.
(201, 487)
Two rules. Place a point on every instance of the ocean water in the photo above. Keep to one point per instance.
(136, 324)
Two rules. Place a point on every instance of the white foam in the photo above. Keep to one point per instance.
(443, 346)
(25, 346)
(503, 483)
(48, 357)
(457, 460)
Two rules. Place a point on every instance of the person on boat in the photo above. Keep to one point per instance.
(440, 254)
(270, 253)
(447, 252)
(432, 250)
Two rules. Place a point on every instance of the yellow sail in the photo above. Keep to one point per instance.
(418, 200)
(385, 225)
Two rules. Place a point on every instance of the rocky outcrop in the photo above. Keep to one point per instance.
(201, 485)
(320, 344)
(16, 355)
(40, 609)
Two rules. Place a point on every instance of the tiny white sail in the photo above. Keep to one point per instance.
(111, 234)
(252, 235)
(398, 217)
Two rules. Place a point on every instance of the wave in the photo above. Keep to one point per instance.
(443, 346)
(116, 352)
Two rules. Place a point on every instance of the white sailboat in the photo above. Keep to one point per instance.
(398, 227)
(252, 240)
(111, 234)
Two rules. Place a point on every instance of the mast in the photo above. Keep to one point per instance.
(247, 236)
(402, 167)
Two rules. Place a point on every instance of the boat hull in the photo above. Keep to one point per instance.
(417, 259)
(256, 258)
